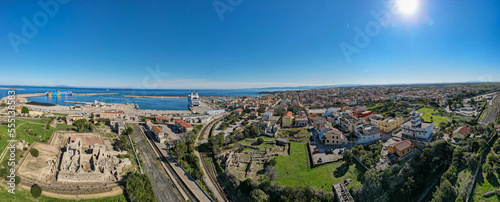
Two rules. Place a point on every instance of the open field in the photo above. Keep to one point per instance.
(428, 114)
(301, 134)
(300, 172)
(29, 130)
(24, 195)
(485, 184)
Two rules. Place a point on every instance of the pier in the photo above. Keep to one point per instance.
(152, 96)
(74, 94)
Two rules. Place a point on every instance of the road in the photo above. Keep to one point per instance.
(492, 110)
(163, 187)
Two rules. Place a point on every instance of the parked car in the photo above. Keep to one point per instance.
(316, 151)
(320, 160)
(312, 143)
(329, 151)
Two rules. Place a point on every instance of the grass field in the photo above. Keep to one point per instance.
(24, 195)
(463, 177)
(427, 114)
(485, 184)
(301, 134)
(481, 116)
(301, 173)
(29, 130)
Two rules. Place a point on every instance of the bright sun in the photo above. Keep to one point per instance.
(407, 6)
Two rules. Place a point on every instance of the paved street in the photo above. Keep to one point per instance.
(163, 187)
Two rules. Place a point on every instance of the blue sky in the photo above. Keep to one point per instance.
(186, 44)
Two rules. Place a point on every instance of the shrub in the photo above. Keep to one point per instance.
(260, 140)
(36, 191)
(34, 152)
(17, 180)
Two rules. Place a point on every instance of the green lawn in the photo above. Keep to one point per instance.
(295, 133)
(301, 173)
(24, 195)
(253, 143)
(463, 178)
(63, 127)
(485, 184)
(427, 114)
(4, 136)
(481, 116)
(32, 130)
(29, 130)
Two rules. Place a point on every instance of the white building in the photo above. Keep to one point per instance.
(330, 111)
(194, 99)
(417, 128)
(367, 133)
(267, 115)
(214, 111)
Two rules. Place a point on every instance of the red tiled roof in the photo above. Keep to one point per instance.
(402, 145)
(158, 130)
(183, 123)
(162, 118)
(462, 130)
(239, 110)
(288, 114)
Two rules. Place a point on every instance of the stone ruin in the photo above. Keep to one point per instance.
(85, 159)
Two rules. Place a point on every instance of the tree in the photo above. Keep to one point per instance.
(272, 162)
(246, 186)
(260, 140)
(138, 188)
(83, 125)
(36, 191)
(445, 192)
(258, 195)
(129, 130)
(34, 152)
(271, 172)
(25, 110)
(488, 170)
(347, 157)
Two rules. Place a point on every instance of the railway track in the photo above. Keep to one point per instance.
(210, 167)
(180, 183)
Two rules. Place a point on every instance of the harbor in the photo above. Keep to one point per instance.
(74, 94)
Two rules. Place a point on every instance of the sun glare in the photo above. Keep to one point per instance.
(407, 6)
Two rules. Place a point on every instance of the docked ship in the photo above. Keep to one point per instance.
(58, 93)
(194, 99)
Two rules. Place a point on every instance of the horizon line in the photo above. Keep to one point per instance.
(269, 87)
